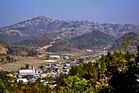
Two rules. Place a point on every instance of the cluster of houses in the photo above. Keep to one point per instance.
(48, 70)
(56, 69)
(28, 75)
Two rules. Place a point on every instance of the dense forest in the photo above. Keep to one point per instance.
(21, 50)
(117, 72)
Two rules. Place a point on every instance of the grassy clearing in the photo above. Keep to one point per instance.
(21, 62)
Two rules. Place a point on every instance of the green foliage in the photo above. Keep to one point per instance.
(117, 72)
(6, 86)
(2, 86)
(21, 50)
(74, 84)
(30, 88)
(6, 91)
(3, 83)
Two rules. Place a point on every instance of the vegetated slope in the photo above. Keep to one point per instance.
(10, 49)
(24, 31)
(127, 42)
(37, 40)
(21, 50)
(94, 40)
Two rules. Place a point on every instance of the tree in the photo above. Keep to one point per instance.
(74, 84)
(125, 44)
(6, 91)
(3, 87)
(27, 66)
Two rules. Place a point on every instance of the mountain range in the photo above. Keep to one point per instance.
(42, 30)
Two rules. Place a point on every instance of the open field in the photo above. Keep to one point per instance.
(22, 61)
(38, 61)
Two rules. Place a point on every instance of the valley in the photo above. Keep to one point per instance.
(33, 40)
(48, 52)
(69, 46)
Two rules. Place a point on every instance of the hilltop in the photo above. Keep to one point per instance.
(41, 31)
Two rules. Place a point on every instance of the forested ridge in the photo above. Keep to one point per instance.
(94, 40)
(127, 42)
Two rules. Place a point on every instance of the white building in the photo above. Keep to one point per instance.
(29, 72)
(54, 57)
(24, 80)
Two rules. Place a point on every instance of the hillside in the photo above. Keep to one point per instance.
(37, 40)
(127, 42)
(94, 40)
(13, 49)
(40, 28)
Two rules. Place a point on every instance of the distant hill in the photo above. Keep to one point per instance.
(94, 40)
(41, 31)
(66, 29)
(128, 42)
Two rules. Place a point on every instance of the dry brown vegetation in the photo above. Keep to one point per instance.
(3, 50)
(21, 62)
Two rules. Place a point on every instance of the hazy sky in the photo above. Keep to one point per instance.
(111, 11)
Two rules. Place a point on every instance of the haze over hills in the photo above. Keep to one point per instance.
(127, 42)
(41, 30)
